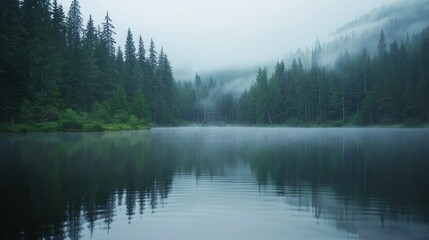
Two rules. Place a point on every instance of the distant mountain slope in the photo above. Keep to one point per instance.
(398, 21)
(398, 18)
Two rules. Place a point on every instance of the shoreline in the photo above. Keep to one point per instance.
(52, 127)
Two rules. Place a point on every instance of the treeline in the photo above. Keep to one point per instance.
(390, 87)
(53, 69)
(50, 62)
(205, 102)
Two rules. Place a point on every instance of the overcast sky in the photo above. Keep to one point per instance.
(205, 35)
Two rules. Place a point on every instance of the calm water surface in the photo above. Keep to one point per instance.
(216, 183)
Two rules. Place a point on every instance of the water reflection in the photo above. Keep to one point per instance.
(372, 183)
(52, 184)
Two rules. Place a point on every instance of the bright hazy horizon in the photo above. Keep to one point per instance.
(211, 35)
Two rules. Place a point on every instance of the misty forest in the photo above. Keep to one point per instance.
(102, 138)
(57, 72)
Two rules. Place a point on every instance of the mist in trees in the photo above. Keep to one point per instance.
(390, 87)
(55, 67)
(386, 88)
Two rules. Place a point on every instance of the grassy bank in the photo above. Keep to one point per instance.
(69, 126)
(71, 121)
(59, 127)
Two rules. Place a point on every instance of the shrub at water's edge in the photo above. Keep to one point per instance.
(72, 121)
(56, 127)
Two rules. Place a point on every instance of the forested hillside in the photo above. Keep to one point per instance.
(54, 69)
(390, 87)
(50, 62)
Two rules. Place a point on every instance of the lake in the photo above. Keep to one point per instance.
(216, 183)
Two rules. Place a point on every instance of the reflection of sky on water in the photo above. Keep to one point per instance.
(218, 183)
(234, 208)
(216, 209)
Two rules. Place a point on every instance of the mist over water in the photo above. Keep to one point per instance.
(214, 182)
(211, 183)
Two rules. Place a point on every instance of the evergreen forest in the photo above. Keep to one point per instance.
(59, 73)
(388, 88)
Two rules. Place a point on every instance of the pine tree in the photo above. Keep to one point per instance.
(409, 101)
(130, 52)
(73, 85)
(383, 86)
(141, 55)
(277, 101)
(198, 81)
(300, 66)
(118, 101)
(198, 109)
(165, 92)
(130, 81)
(44, 63)
(382, 45)
(105, 57)
(262, 95)
(12, 54)
(152, 56)
(150, 83)
(334, 103)
(243, 106)
(120, 66)
(90, 37)
(107, 38)
(59, 25)
(93, 86)
(366, 62)
(74, 28)
(170, 90)
(144, 72)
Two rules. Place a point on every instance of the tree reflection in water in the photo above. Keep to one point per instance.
(55, 185)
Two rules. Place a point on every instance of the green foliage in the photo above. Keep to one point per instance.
(71, 120)
(48, 62)
(16, 128)
(101, 112)
(12, 53)
(130, 76)
(139, 107)
(51, 62)
(118, 101)
(93, 127)
(48, 127)
(27, 112)
(121, 116)
(134, 121)
(390, 88)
